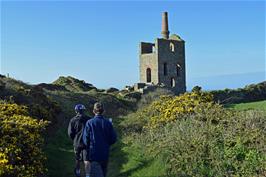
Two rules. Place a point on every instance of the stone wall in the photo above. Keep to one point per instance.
(148, 60)
(175, 61)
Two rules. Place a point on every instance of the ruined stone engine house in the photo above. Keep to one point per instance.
(163, 62)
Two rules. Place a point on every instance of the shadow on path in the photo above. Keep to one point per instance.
(124, 161)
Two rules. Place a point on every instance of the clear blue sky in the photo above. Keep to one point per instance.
(98, 41)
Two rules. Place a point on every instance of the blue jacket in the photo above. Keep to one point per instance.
(98, 136)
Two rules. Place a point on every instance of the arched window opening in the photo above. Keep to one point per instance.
(165, 69)
(148, 75)
(178, 69)
(172, 82)
(153, 49)
(172, 47)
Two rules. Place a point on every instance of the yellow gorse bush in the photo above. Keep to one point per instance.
(169, 108)
(12, 109)
(21, 142)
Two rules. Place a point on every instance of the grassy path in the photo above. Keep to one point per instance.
(125, 161)
(60, 156)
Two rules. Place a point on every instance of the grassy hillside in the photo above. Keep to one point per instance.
(60, 97)
(73, 84)
(39, 103)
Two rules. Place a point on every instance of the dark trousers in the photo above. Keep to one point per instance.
(98, 169)
(104, 165)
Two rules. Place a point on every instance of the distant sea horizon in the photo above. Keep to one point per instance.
(230, 81)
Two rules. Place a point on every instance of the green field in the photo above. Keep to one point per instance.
(260, 105)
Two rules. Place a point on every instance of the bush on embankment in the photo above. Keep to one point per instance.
(21, 142)
(197, 137)
(40, 105)
(250, 93)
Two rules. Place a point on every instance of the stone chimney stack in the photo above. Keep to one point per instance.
(165, 32)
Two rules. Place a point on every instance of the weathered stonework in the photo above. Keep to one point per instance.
(163, 62)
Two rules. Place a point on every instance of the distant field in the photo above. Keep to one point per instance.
(261, 105)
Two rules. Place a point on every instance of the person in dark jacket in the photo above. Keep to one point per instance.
(75, 131)
(98, 136)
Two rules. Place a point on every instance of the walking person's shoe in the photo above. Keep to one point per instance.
(77, 172)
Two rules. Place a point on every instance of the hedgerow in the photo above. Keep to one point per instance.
(21, 142)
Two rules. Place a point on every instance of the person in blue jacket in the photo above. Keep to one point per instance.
(98, 136)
